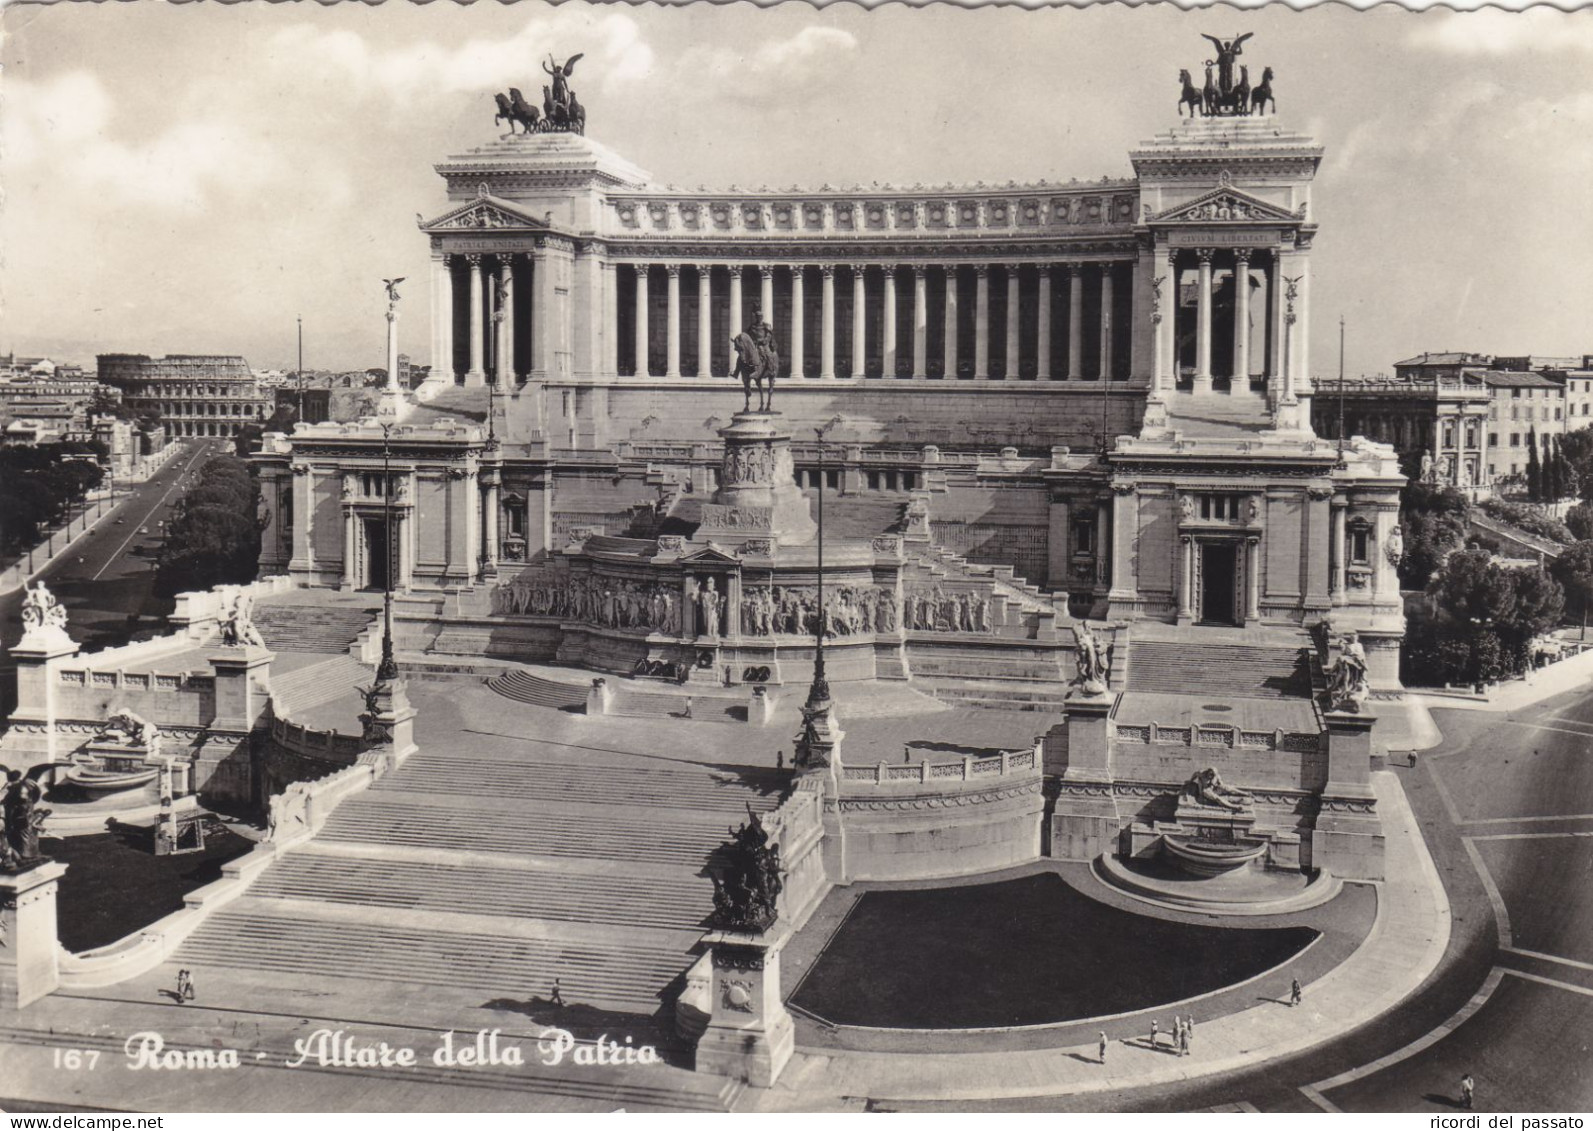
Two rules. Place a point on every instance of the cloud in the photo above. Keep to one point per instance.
(771, 71)
(1495, 32)
(65, 126)
(803, 48)
(615, 54)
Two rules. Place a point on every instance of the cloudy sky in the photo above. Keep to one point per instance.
(188, 178)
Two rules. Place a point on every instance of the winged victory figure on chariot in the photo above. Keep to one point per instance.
(1223, 95)
(560, 112)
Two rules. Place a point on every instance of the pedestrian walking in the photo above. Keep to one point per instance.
(779, 759)
(557, 996)
(1103, 1047)
(1156, 1027)
(1188, 1036)
(185, 986)
(1294, 992)
(687, 713)
(1468, 1090)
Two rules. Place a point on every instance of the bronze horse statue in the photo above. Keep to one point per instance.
(1210, 93)
(1241, 92)
(1263, 94)
(513, 108)
(757, 363)
(1190, 97)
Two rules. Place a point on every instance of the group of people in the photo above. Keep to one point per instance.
(595, 600)
(849, 610)
(937, 610)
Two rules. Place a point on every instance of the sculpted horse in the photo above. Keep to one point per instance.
(514, 108)
(1190, 97)
(577, 115)
(1210, 94)
(1241, 92)
(1263, 94)
(756, 364)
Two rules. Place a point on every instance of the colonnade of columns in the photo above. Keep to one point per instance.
(875, 342)
(1257, 340)
(488, 293)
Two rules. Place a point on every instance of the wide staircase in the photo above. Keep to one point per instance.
(310, 628)
(974, 676)
(539, 691)
(1241, 671)
(498, 874)
(336, 678)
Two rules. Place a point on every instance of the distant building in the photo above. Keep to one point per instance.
(1439, 410)
(60, 405)
(1521, 404)
(195, 394)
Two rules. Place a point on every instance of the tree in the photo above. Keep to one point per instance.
(1574, 571)
(1434, 520)
(1534, 467)
(214, 537)
(1579, 521)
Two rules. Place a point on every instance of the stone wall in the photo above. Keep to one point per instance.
(941, 819)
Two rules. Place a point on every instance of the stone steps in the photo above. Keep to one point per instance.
(514, 779)
(1252, 672)
(524, 687)
(251, 933)
(927, 662)
(295, 628)
(316, 684)
(379, 819)
(681, 902)
(1008, 696)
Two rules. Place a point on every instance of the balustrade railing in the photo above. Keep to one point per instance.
(1218, 735)
(966, 769)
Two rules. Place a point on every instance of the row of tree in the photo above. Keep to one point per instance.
(41, 484)
(1479, 619)
(213, 537)
(1550, 477)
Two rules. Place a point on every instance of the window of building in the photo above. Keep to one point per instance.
(1493, 439)
(1557, 412)
(1224, 507)
(873, 481)
(1084, 536)
(1515, 393)
(1515, 439)
(1449, 433)
(1360, 544)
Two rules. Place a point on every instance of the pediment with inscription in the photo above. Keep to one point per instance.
(1227, 205)
(710, 556)
(486, 213)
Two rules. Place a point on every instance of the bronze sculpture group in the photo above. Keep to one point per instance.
(748, 880)
(561, 111)
(1223, 95)
(24, 820)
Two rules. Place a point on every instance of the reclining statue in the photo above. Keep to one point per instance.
(1207, 788)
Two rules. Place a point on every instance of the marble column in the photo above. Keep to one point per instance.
(1164, 306)
(737, 323)
(490, 506)
(1337, 579)
(351, 534)
(951, 322)
(442, 361)
(827, 323)
(672, 326)
(506, 367)
(642, 361)
(1108, 282)
(705, 322)
(1042, 360)
(766, 292)
(1014, 344)
(477, 374)
(610, 285)
(1103, 543)
(982, 322)
(1075, 322)
(859, 318)
(920, 321)
(1304, 387)
(1186, 578)
(888, 323)
(1241, 320)
(1252, 580)
(1203, 324)
(798, 321)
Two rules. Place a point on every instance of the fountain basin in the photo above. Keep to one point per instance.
(1212, 858)
(98, 783)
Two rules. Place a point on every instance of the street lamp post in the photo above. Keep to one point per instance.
(387, 670)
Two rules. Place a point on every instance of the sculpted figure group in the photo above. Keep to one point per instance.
(40, 610)
(595, 600)
(938, 610)
(793, 610)
(749, 465)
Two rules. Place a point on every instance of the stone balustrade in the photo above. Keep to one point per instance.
(1008, 762)
(308, 742)
(1217, 735)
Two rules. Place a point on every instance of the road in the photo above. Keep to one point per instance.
(1506, 805)
(110, 573)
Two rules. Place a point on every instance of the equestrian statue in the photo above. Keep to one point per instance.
(757, 362)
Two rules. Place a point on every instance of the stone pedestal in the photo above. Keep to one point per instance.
(750, 1036)
(757, 495)
(38, 658)
(1348, 837)
(29, 945)
(243, 685)
(1085, 822)
(389, 720)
